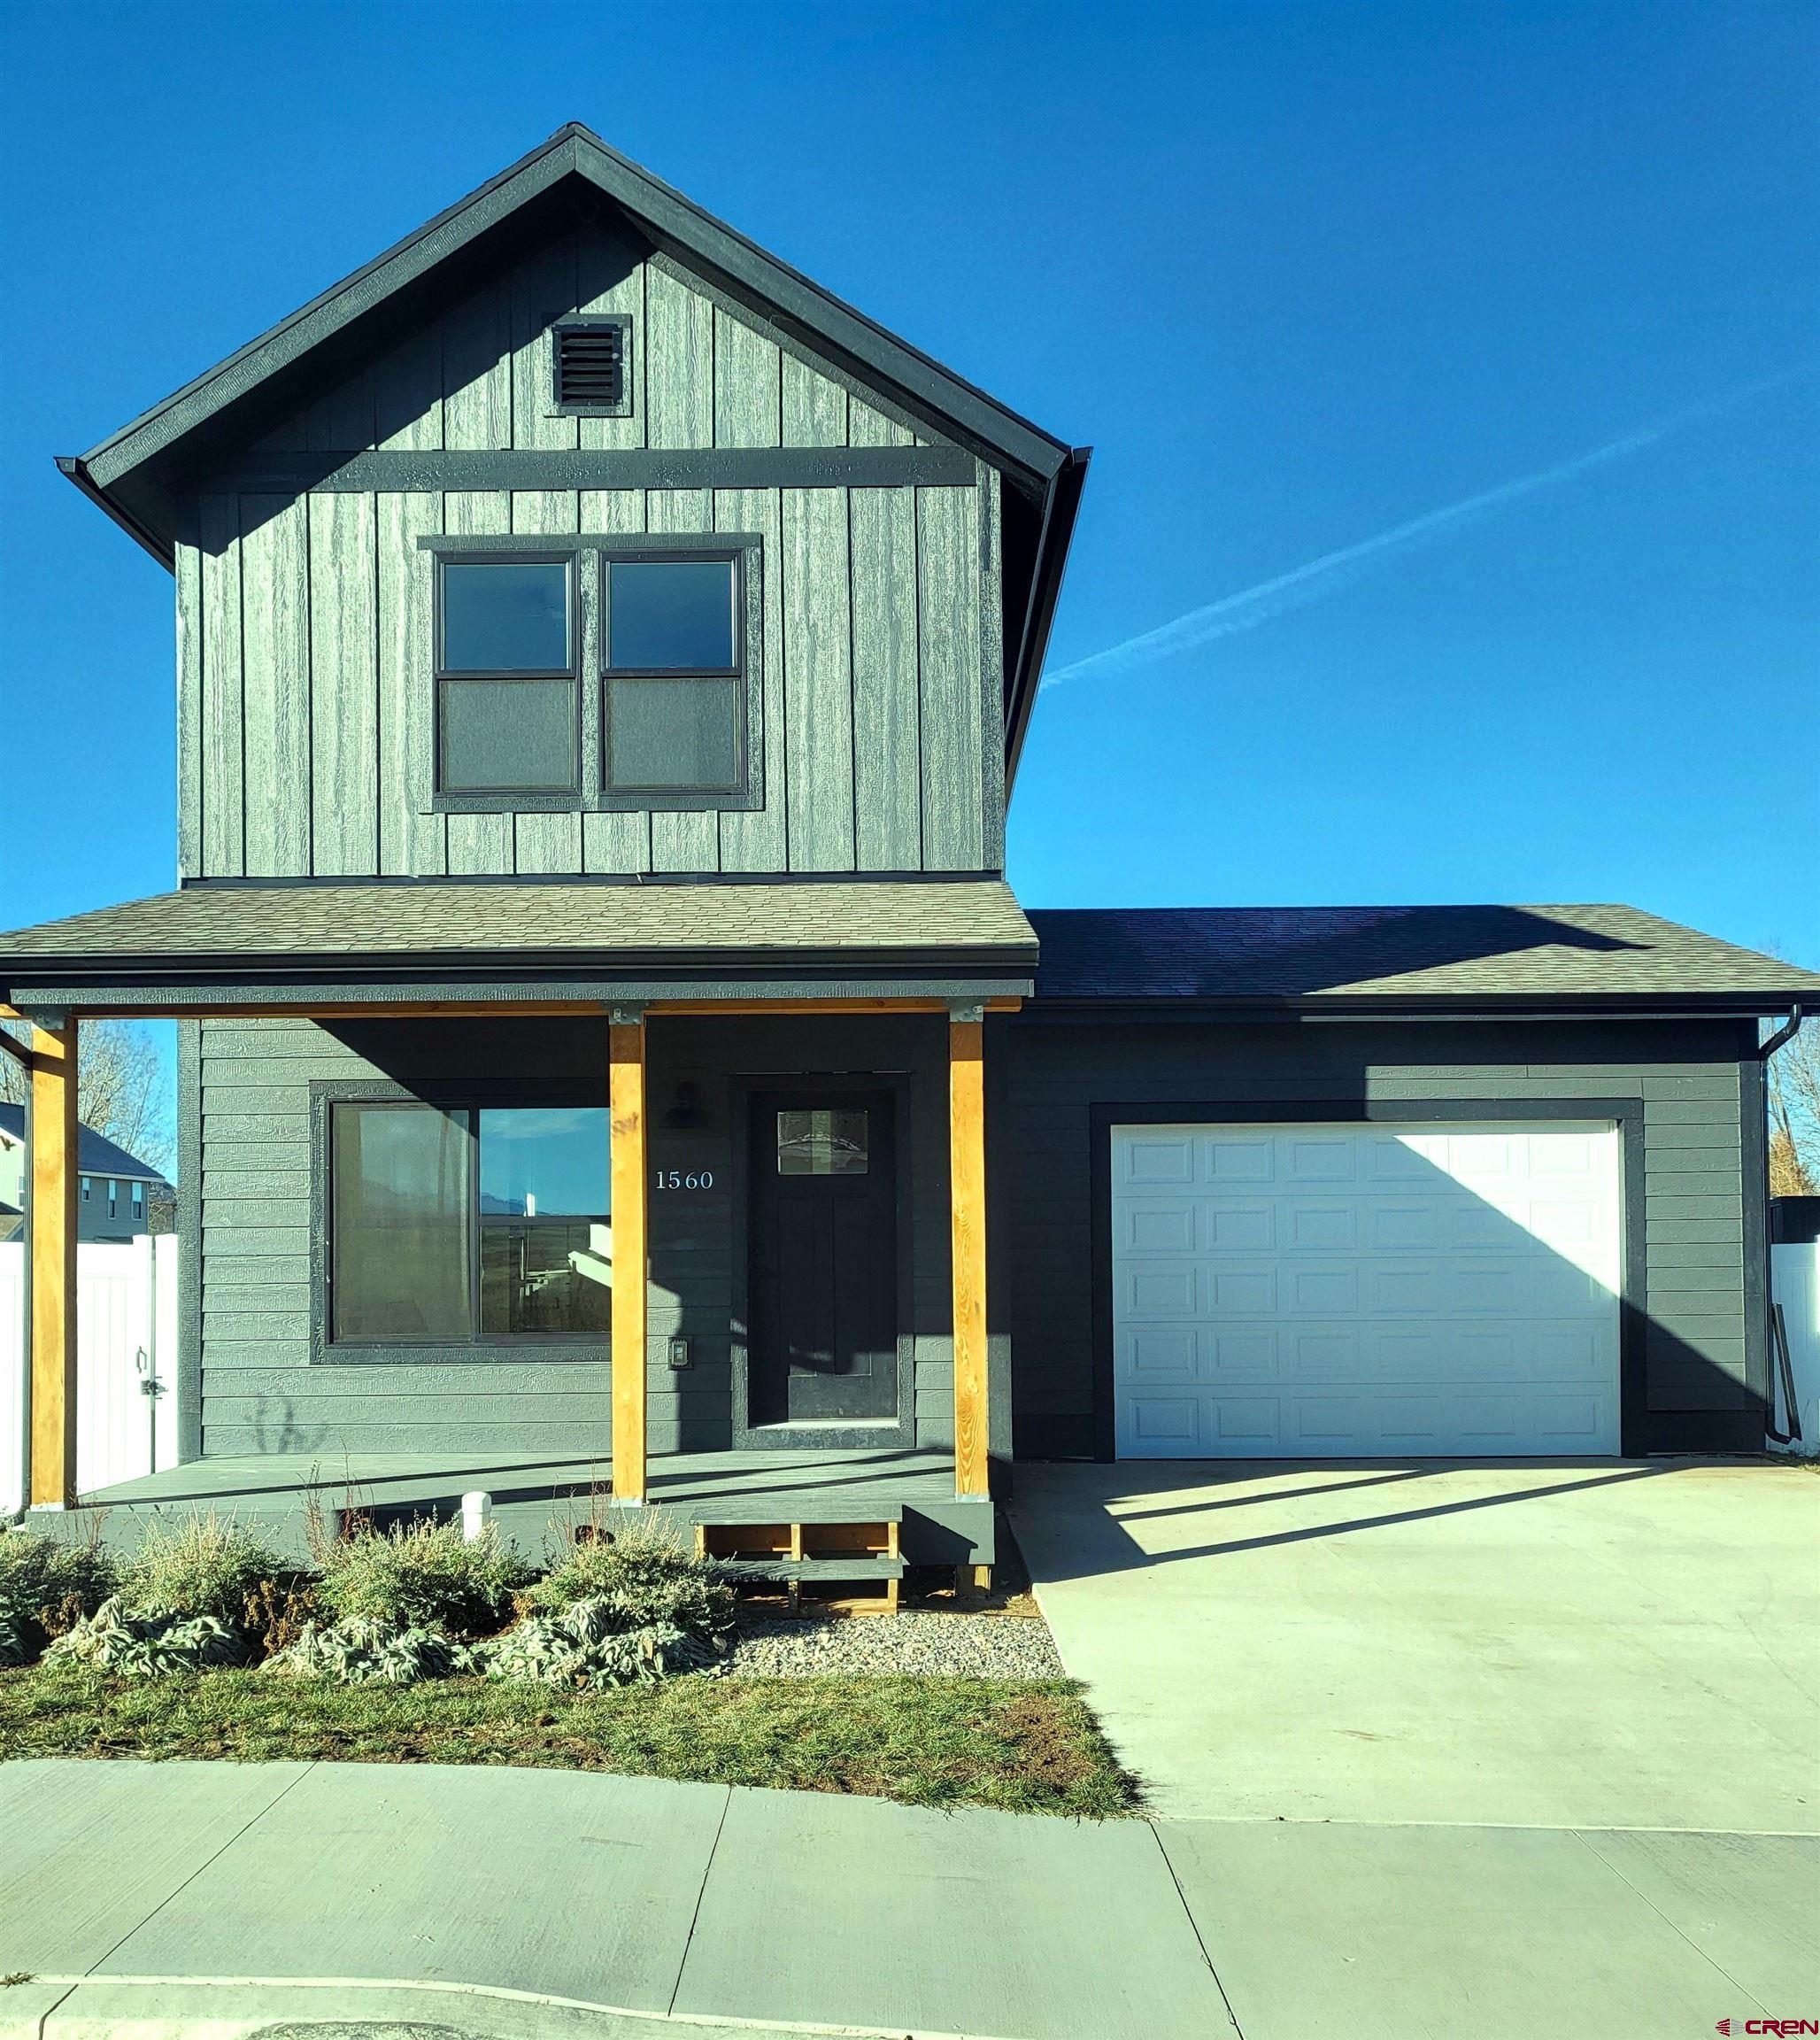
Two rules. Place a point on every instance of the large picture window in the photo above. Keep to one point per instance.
(674, 651)
(448, 1227)
(506, 710)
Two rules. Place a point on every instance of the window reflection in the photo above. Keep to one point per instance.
(823, 1143)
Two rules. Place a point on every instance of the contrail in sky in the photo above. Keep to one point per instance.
(1252, 607)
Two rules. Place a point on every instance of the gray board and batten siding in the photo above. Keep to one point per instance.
(305, 612)
(262, 1377)
(1687, 1093)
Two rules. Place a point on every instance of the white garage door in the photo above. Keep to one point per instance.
(1364, 1291)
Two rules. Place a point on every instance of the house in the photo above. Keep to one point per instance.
(118, 1196)
(612, 1057)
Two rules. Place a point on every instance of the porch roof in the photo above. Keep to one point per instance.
(524, 942)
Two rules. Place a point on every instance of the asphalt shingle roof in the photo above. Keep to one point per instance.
(568, 921)
(1276, 954)
(96, 1153)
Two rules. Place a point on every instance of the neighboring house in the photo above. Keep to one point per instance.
(603, 662)
(118, 1196)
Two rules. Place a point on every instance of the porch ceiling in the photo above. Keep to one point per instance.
(581, 942)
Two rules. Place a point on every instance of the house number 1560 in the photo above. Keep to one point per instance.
(676, 1179)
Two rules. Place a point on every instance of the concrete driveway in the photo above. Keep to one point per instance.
(1577, 1645)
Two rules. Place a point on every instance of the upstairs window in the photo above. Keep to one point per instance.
(507, 713)
(673, 646)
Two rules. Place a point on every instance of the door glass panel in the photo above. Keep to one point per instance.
(400, 1222)
(546, 1243)
(823, 1143)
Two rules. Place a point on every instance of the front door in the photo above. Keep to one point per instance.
(824, 1257)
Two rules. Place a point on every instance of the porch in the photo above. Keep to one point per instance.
(744, 1089)
(539, 1502)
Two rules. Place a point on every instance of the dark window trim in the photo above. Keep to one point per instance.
(1625, 1113)
(592, 796)
(473, 1096)
(580, 321)
(442, 674)
(663, 552)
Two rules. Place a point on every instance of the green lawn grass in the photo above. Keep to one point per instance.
(1025, 1747)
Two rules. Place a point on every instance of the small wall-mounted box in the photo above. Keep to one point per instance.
(680, 1354)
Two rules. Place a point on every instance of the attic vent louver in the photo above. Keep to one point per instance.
(590, 363)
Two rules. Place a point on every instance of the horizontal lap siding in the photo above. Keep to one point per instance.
(260, 1390)
(1699, 1385)
(305, 624)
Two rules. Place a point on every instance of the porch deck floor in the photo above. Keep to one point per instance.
(845, 1484)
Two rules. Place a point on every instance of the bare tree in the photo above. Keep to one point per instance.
(1794, 1115)
(123, 1087)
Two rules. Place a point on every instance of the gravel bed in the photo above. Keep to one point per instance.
(963, 1646)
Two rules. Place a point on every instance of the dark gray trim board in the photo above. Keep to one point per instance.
(366, 473)
(377, 982)
(1626, 1113)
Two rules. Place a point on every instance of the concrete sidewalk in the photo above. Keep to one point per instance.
(520, 1905)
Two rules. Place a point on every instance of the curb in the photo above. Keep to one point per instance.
(332, 2008)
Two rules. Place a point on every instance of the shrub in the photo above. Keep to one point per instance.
(361, 1653)
(422, 1577)
(45, 1587)
(646, 1576)
(148, 1643)
(205, 1564)
(590, 1643)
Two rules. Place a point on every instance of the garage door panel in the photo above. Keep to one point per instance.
(1161, 1352)
(1346, 1291)
(1242, 1355)
(1159, 1158)
(1322, 1228)
(1239, 1158)
(1169, 1228)
(1329, 1355)
(1323, 1291)
(1158, 1290)
(1322, 1158)
(1241, 1228)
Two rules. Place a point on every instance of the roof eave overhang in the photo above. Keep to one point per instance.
(517, 977)
(1740, 1005)
(1061, 503)
(783, 296)
(75, 467)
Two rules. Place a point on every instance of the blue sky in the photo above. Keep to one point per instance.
(1300, 274)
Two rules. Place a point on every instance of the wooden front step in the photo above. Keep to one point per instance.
(790, 1555)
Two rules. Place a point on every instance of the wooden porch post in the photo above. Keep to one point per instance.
(626, 1040)
(966, 1143)
(53, 1229)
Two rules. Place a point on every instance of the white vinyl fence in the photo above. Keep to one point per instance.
(1794, 1282)
(126, 1361)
